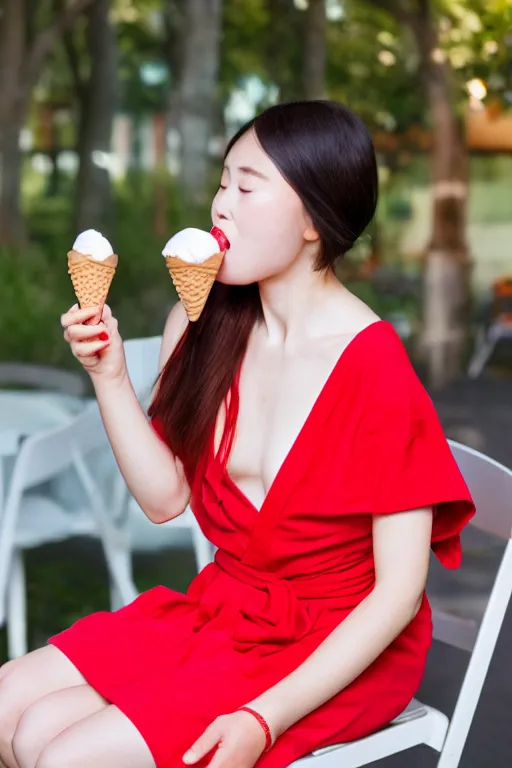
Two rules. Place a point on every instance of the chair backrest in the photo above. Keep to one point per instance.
(41, 458)
(42, 377)
(9, 441)
(491, 486)
(46, 454)
(142, 363)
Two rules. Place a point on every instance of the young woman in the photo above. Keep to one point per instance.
(291, 419)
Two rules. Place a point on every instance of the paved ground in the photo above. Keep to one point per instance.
(476, 413)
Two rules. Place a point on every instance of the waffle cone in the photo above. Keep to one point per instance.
(91, 279)
(193, 282)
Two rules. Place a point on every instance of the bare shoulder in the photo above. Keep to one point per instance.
(357, 314)
(175, 326)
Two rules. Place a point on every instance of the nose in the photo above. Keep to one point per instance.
(221, 205)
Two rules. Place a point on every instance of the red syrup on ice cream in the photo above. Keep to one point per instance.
(220, 238)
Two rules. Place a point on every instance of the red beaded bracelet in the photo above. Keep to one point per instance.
(261, 720)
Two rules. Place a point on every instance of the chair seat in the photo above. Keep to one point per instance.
(417, 724)
(42, 521)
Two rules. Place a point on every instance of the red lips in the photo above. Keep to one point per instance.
(220, 238)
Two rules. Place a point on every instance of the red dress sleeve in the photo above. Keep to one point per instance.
(407, 457)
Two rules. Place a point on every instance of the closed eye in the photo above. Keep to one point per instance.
(244, 191)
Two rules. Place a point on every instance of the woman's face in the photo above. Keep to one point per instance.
(262, 216)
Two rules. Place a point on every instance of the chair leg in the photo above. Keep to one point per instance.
(122, 586)
(202, 548)
(484, 349)
(17, 644)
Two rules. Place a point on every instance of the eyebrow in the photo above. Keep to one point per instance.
(249, 171)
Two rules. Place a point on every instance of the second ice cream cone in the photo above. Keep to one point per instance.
(91, 279)
(193, 282)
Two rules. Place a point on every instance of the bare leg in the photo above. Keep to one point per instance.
(25, 680)
(102, 740)
(48, 717)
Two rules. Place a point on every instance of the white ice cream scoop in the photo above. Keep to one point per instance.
(92, 243)
(192, 245)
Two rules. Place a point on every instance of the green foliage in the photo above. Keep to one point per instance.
(387, 97)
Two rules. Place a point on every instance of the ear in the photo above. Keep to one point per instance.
(310, 234)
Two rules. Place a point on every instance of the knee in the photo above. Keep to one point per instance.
(55, 755)
(10, 702)
(26, 745)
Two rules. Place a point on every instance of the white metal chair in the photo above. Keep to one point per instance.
(491, 486)
(32, 516)
(28, 412)
(487, 341)
(142, 362)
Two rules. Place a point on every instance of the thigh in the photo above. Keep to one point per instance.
(104, 739)
(27, 679)
(39, 673)
(44, 720)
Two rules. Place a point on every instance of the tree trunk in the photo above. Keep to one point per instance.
(198, 92)
(12, 112)
(94, 204)
(446, 266)
(286, 26)
(173, 12)
(20, 68)
(12, 229)
(315, 50)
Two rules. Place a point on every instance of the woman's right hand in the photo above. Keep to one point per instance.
(99, 348)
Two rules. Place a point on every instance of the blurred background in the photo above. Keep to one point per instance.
(114, 115)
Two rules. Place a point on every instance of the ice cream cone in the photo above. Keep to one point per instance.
(193, 282)
(91, 279)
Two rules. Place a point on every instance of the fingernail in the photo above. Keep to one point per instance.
(188, 757)
(103, 336)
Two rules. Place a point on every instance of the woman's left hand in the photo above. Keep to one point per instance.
(239, 738)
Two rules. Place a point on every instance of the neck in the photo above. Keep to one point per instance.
(294, 303)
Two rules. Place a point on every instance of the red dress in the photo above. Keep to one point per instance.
(285, 577)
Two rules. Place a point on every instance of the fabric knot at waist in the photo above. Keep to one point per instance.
(270, 614)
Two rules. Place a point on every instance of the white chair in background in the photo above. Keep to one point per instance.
(142, 356)
(142, 363)
(486, 343)
(28, 412)
(43, 377)
(491, 486)
(31, 516)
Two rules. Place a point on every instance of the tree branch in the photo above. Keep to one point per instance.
(48, 37)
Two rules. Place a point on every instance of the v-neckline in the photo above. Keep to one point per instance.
(300, 435)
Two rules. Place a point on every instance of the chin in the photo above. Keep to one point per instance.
(231, 274)
(230, 279)
(236, 270)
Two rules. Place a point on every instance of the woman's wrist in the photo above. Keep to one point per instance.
(269, 738)
(271, 713)
(103, 383)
